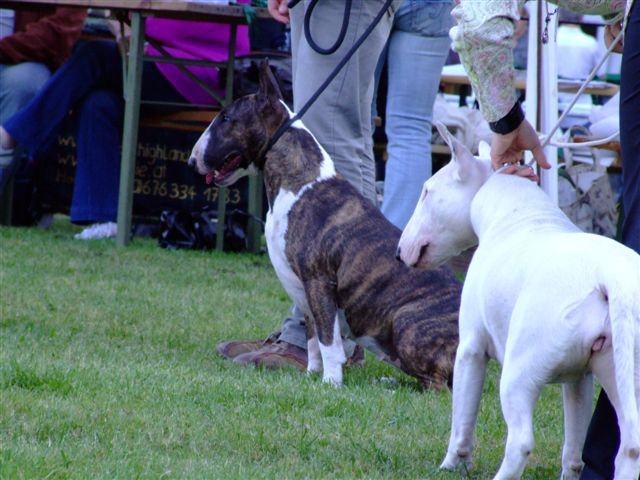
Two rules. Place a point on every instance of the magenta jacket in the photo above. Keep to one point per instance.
(194, 40)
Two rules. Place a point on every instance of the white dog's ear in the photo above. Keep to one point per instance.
(484, 150)
(461, 158)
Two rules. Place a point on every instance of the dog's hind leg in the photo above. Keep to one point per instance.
(321, 298)
(627, 461)
(578, 400)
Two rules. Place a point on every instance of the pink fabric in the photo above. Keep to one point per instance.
(194, 40)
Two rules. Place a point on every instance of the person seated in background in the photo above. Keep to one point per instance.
(32, 46)
(577, 55)
(90, 84)
(577, 52)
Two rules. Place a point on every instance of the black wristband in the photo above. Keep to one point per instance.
(509, 122)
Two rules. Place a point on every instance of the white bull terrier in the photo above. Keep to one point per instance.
(550, 303)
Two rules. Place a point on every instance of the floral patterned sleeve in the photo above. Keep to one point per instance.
(484, 40)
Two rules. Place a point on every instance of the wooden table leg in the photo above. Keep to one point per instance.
(132, 87)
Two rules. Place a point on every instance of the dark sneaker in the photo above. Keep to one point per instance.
(233, 348)
(277, 355)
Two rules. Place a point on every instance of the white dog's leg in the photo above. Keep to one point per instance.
(333, 356)
(468, 379)
(518, 395)
(577, 398)
(314, 358)
(627, 461)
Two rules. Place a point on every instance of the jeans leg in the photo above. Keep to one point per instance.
(19, 83)
(99, 135)
(414, 64)
(95, 64)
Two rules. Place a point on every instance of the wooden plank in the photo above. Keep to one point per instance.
(175, 9)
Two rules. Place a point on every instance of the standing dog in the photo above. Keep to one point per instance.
(550, 303)
(330, 247)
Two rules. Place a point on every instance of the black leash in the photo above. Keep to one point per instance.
(307, 31)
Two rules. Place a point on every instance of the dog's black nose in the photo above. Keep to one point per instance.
(398, 254)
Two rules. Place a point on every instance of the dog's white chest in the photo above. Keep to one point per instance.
(275, 231)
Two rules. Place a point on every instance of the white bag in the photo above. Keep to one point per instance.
(586, 197)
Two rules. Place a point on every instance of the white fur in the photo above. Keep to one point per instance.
(540, 297)
(333, 357)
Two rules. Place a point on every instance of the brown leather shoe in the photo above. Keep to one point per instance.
(357, 357)
(233, 348)
(277, 355)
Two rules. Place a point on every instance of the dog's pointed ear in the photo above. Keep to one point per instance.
(461, 158)
(484, 150)
(268, 83)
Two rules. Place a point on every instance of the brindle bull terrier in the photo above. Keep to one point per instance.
(331, 248)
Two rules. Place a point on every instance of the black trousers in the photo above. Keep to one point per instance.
(603, 436)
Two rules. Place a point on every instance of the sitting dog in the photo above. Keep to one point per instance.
(550, 303)
(331, 248)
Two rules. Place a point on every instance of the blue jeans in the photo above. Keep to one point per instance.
(90, 85)
(18, 84)
(415, 54)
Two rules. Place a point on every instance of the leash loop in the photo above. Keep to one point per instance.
(343, 29)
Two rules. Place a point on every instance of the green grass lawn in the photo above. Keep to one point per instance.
(108, 369)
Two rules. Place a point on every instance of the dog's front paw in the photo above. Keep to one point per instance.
(335, 379)
(452, 461)
(314, 367)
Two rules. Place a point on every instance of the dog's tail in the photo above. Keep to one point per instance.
(623, 295)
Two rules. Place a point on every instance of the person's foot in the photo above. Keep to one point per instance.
(6, 141)
(357, 357)
(97, 231)
(279, 354)
(233, 348)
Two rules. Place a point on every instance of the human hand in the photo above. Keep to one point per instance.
(510, 147)
(279, 10)
(119, 29)
(610, 33)
(524, 171)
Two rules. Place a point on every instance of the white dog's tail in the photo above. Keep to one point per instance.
(624, 311)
